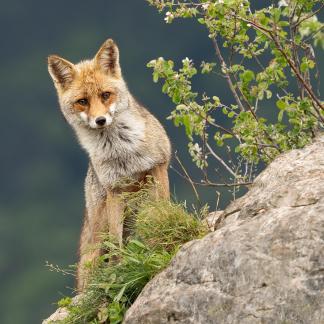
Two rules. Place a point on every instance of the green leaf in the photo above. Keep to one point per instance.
(219, 142)
(311, 64)
(187, 125)
(64, 302)
(268, 94)
(138, 243)
(201, 21)
(281, 104)
(165, 87)
(176, 98)
(120, 294)
(247, 76)
(304, 67)
(276, 14)
(155, 76)
(216, 100)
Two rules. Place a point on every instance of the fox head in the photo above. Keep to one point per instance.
(92, 91)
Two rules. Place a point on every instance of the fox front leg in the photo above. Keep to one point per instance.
(105, 217)
(161, 189)
(90, 243)
(115, 216)
(95, 223)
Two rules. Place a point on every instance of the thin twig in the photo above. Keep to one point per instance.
(293, 30)
(299, 76)
(310, 37)
(221, 127)
(217, 199)
(210, 183)
(219, 159)
(204, 170)
(309, 16)
(227, 76)
(188, 177)
(213, 184)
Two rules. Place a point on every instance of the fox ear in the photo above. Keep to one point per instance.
(108, 58)
(61, 70)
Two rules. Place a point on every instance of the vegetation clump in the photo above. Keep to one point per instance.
(160, 229)
(165, 226)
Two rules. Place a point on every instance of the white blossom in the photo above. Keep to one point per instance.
(186, 60)
(168, 17)
(205, 5)
(282, 3)
(197, 148)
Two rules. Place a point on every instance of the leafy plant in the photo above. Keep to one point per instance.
(118, 277)
(113, 287)
(268, 61)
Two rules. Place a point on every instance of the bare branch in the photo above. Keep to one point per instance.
(219, 159)
(210, 183)
(188, 177)
(213, 184)
(227, 76)
(309, 16)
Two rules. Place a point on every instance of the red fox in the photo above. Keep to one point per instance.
(122, 139)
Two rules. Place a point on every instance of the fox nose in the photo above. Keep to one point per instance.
(100, 121)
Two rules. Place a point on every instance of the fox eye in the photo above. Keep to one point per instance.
(82, 102)
(105, 95)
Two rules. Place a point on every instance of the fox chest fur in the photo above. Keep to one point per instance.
(119, 152)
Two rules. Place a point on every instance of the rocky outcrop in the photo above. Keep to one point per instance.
(62, 312)
(264, 263)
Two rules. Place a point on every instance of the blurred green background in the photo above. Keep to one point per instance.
(42, 165)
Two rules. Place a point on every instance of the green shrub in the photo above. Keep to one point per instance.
(265, 52)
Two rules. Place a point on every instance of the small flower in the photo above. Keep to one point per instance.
(197, 148)
(168, 17)
(205, 5)
(186, 60)
(282, 3)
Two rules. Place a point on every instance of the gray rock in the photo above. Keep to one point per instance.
(264, 263)
(62, 312)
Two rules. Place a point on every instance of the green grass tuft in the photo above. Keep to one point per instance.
(164, 225)
(160, 229)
